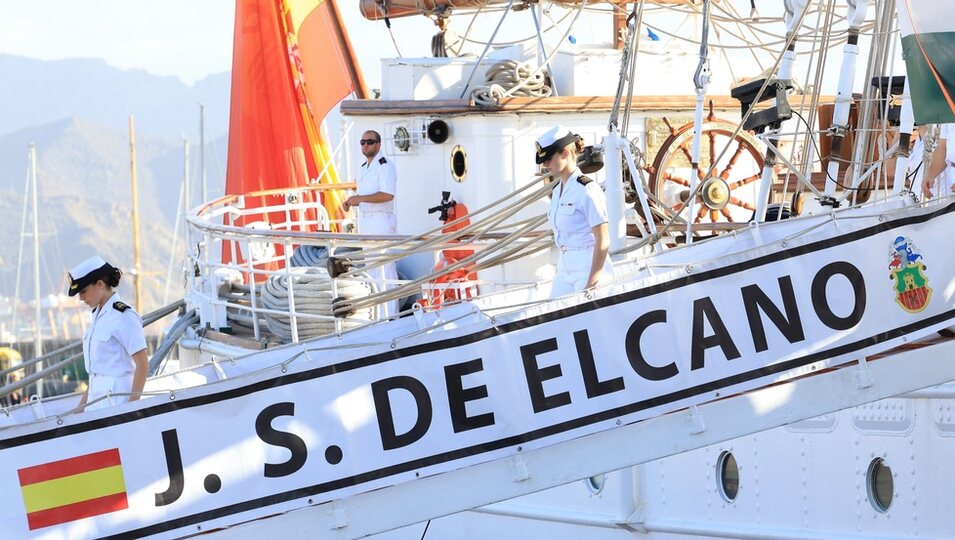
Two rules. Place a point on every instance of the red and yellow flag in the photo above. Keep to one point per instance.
(292, 63)
(74, 488)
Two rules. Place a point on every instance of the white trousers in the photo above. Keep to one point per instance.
(106, 387)
(381, 224)
(573, 269)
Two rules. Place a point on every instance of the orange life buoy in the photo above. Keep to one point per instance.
(447, 287)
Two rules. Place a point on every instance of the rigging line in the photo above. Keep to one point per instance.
(873, 65)
(402, 243)
(411, 286)
(823, 50)
(931, 65)
(552, 26)
(427, 246)
(739, 127)
(550, 56)
(487, 47)
(175, 242)
(471, 24)
(809, 134)
(888, 53)
(738, 17)
(771, 46)
(541, 49)
(638, 25)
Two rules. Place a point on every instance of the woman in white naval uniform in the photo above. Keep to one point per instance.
(577, 214)
(114, 347)
(377, 186)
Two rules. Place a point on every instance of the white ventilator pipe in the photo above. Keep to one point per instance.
(793, 14)
(701, 79)
(695, 165)
(906, 126)
(840, 114)
(613, 183)
(794, 10)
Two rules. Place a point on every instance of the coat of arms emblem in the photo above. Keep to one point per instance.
(907, 268)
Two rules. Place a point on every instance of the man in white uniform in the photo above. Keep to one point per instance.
(377, 186)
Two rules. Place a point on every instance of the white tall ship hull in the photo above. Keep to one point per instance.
(785, 378)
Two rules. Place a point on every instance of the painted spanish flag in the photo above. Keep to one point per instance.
(928, 47)
(74, 488)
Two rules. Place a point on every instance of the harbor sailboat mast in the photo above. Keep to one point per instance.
(37, 337)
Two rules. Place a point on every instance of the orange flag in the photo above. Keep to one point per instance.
(292, 63)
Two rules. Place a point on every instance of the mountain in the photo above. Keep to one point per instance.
(85, 206)
(37, 92)
(77, 112)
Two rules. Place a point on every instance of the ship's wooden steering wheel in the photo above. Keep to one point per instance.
(729, 194)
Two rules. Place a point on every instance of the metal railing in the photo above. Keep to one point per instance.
(70, 349)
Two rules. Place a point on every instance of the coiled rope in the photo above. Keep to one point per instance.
(511, 78)
(311, 289)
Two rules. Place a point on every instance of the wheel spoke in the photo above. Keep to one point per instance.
(714, 216)
(726, 213)
(725, 173)
(700, 213)
(676, 180)
(712, 136)
(742, 204)
(689, 157)
(744, 181)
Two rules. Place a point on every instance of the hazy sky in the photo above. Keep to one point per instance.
(188, 39)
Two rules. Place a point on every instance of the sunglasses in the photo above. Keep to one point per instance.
(368, 141)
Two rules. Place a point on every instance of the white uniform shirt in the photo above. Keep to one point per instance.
(947, 132)
(915, 167)
(111, 340)
(575, 212)
(377, 176)
(945, 180)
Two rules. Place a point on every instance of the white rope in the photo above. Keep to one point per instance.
(313, 296)
(510, 77)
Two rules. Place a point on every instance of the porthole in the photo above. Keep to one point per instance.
(727, 476)
(880, 485)
(459, 163)
(596, 483)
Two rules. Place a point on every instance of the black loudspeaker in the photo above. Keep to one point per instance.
(590, 161)
(438, 131)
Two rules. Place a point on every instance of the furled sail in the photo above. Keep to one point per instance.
(292, 63)
(928, 47)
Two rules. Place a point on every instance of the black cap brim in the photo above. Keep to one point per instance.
(77, 285)
(544, 154)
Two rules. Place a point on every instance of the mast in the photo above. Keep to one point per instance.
(23, 230)
(37, 338)
(202, 151)
(137, 281)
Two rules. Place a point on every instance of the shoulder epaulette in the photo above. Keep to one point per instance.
(119, 306)
(584, 180)
(382, 160)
